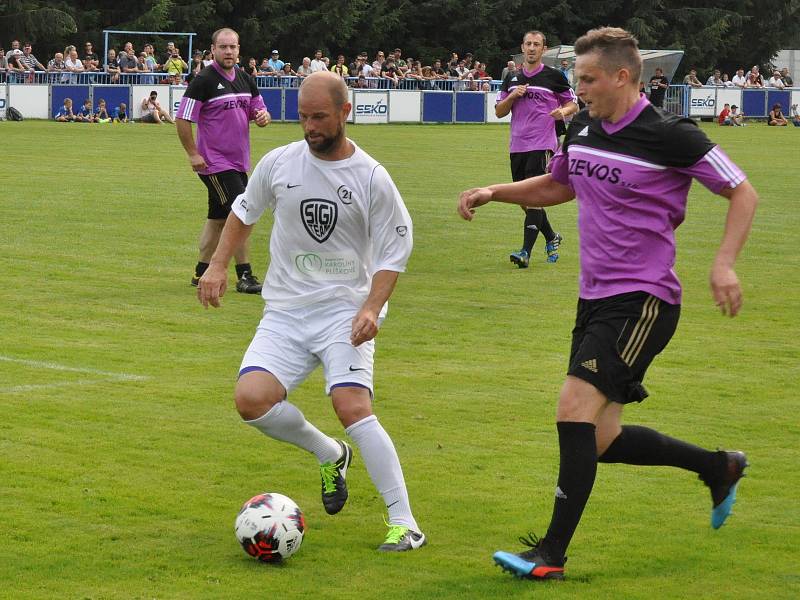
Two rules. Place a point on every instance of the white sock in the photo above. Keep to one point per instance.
(383, 466)
(286, 423)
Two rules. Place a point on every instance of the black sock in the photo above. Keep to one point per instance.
(578, 467)
(200, 269)
(638, 445)
(546, 228)
(533, 223)
(242, 269)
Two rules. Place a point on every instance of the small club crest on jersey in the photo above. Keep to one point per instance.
(319, 217)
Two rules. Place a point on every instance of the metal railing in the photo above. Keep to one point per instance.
(262, 81)
(83, 78)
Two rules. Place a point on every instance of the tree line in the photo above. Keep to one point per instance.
(712, 33)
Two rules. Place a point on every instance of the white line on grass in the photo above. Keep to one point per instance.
(57, 367)
(110, 376)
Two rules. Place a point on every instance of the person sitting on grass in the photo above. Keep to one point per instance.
(724, 117)
(102, 115)
(65, 114)
(776, 118)
(737, 117)
(121, 113)
(795, 115)
(152, 112)
(85, 114)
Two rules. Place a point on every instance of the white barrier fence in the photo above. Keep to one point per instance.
(41, 101)
(370, 106)
(708, 101)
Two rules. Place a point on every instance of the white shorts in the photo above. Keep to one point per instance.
(290, 344)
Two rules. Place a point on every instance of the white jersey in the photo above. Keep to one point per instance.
(336, 224)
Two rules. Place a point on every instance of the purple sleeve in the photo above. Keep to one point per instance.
(189, 109)
(716, 171)
(567, 96)
(559, 167)
(256, 104)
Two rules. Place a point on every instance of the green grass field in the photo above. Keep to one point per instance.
(123, 462)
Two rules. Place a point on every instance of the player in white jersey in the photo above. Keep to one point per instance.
(341, 236)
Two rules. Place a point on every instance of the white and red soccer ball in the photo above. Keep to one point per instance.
(270, 527)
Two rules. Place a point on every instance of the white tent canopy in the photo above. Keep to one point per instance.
(667, 60)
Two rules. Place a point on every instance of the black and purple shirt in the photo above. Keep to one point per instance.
(631, 179)
(532, 127)
(222, 105)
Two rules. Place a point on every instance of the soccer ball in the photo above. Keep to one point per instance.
(270, 527)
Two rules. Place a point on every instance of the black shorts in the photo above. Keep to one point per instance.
(525, 165)
(223, 188)
(616, 338)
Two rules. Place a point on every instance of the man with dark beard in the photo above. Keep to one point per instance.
(341, 237)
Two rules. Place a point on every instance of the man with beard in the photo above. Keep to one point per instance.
(222, 100)
(341, 237)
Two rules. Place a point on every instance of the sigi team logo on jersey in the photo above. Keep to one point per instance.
(319, 217)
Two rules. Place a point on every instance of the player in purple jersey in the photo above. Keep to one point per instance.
(222, 100)
(537, 96)
(630, 165)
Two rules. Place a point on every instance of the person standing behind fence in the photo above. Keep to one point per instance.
(534, 113)
(30, 61)
(221, 100)
(658, 88)
(318, 64)
(176, 65)
(74, 65)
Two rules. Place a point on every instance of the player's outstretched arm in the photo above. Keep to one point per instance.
(724, 283)
(535, 192)
(365, 323)
(214, 282)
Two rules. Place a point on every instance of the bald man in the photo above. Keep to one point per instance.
(340, 238)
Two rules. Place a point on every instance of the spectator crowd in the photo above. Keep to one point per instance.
(384, 69)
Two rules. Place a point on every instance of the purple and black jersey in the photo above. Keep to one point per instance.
(631, 179)
(222, 106)
(532, 127)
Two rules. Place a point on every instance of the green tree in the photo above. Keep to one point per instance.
(34, 21)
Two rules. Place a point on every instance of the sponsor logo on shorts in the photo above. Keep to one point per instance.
(590, 364)
(401, 230)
